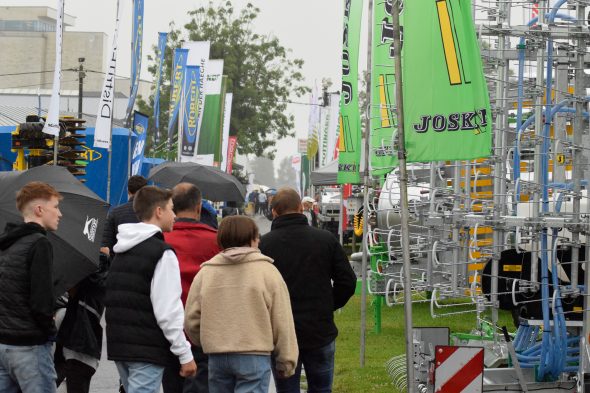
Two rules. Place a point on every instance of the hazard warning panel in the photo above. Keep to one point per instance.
(458, 369)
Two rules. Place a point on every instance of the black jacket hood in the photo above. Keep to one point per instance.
(14, 231)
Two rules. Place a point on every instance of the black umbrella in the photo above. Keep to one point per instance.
(214, 184)
(76, 243)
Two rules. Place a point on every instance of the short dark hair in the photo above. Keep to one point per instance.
(186, 197)
(147, 199)
(286, 200)
(35, 190)
(236, 231)
(135, 183)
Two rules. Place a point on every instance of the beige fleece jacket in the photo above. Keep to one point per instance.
(239, 303)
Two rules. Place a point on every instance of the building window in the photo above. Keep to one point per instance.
(26, 25)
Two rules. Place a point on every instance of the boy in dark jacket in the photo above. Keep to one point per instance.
(26, 299)
(320, 281)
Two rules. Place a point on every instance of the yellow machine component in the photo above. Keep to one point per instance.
(357, 224)
(20, 163)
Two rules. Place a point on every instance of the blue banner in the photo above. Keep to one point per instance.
(140, 127)
(176, 84)
(162, 38)
(136, 47)
(191, 110)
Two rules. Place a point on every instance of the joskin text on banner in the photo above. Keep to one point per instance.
(136, 49)
(210, 135)
(350, 119)
(190, 109)
(382, 115)
(140, 127)
(162, 38)
(104, 117)
(446, 103)
(177, 82)
(198, 55)
(52, 123)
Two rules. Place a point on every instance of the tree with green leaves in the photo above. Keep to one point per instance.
(260, 72)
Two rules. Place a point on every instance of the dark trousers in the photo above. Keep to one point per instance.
(77, 375)
(174, 383)
(319, 371)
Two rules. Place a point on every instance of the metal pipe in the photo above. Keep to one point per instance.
(365, 244)
(403, 200)
(455, 233)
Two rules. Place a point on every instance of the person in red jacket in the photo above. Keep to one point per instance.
(194, 243)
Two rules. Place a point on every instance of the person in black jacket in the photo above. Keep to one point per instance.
(79, 340)
(320, 281)
(122, 214)
(26, 299)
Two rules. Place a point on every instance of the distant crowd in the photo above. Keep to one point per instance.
(190, 304)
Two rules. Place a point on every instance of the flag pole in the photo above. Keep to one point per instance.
(366, 182)
(405, 231)
(110, 148)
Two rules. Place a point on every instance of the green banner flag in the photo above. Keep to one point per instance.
(212, 128)
(446, 103)
(350, 122)
(382, 115)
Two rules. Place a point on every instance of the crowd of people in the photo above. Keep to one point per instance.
(189, 307)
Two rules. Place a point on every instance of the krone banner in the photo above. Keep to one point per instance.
(104, 117)
(350, 121)
(52, 123)
(447, 108)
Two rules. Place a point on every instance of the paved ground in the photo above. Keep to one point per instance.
(106, 378)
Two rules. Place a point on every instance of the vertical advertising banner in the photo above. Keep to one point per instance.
(198, 54)
(330, 129)
(313, 135)
(210, 134)
(52, 123)
(296, 165)
(190, 110)
(176, 82)
(232, 144)
(106, 107)
(226, 123)
(140, 127)
(162, 38)
(136, 48)
(446, 103)
(382, 116)
(350, 145)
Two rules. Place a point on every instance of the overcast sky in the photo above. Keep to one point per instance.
(312, 29)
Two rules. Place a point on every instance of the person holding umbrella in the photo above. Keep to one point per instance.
(27, 301)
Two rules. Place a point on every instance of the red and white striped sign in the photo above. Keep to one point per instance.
(458, 369)
(535, 9)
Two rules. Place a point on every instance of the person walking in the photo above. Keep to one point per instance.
(144, 312)
(79, 339)
(122, 214)
(238, 309)
(262, 202)
(26, 300)
(320, 281)
(194, 243)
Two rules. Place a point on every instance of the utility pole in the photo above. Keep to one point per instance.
(81, 76)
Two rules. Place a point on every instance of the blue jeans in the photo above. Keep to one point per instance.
(239, 373)
(319, 371)
(27, 369)
(138, 377)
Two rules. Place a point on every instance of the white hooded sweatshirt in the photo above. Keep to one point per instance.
(165, 288)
